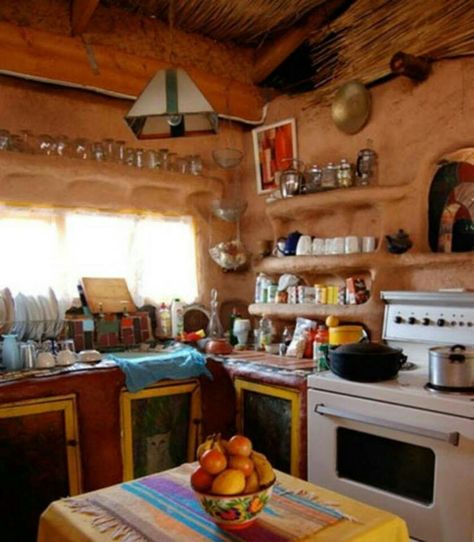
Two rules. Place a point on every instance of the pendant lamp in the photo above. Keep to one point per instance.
(171, 105)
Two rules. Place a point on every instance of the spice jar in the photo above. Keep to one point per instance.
(329, 176)
(345, 174)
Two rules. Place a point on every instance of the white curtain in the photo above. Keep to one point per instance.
(44, 247)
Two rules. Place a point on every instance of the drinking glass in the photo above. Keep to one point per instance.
(62, 145)
(98, 152)
(194, 164)
(108, 145)
(181, 164)
(151, 159)
(28, 355)
(163, 159)
(139, 158)
(46, 144)
(129, 157)
(4, 140)
(81, 149)
(119, 152)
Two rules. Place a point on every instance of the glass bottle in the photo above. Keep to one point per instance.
(265, 332)
(164, 320)
(214, 329)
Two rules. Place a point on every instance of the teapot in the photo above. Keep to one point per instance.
(292, 179)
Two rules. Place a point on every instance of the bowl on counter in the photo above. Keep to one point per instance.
(89, 356)
(272, 348)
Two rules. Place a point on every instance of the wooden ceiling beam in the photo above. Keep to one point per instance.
(272, 54)
(43, 55)
(81, 13)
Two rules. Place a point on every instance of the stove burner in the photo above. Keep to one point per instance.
(444, 389)
(408, 366)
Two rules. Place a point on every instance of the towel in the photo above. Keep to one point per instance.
(142, 369)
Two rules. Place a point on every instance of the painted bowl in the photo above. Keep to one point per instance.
(235, 512)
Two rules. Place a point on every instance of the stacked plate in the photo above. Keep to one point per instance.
(31, 317)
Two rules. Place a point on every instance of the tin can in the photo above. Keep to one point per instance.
(272, 291)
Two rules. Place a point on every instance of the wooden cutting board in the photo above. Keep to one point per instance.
(113, 294)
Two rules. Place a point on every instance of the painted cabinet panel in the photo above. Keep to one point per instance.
(159, 427)
(39, 462)
(270, 417)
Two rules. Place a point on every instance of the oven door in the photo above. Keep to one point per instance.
(414, 463)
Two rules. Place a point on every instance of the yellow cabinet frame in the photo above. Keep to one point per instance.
(67, 405)
(293, 396)
(160, 390)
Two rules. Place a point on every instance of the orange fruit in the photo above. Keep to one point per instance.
(239, 445)
(243, 463)
(213, 461)
(201, 480)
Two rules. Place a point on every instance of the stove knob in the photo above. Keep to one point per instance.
(453, 323)
(398, 319)
(426, 321)
(412, 320)
(440, 322)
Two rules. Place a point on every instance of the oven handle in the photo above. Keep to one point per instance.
(452, 438)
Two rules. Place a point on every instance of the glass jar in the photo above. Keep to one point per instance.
(329, 176)
(345, 174)
(312, 179)
(366, 167)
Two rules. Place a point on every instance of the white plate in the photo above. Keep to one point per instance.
(10, 307)
(21, 316)
(33, 318)
(53, 301)
(40, 318)
(50, 321)
(3, 314)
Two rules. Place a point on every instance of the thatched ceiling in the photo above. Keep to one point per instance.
(245, 22)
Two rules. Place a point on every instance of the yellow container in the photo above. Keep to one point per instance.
(345, 335)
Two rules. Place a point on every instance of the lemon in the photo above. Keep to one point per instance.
(332, 321)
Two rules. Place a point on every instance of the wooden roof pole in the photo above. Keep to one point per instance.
(63, 59)
(272, 54)
(81, 13)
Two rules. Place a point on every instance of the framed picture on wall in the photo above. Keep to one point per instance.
(273, 145)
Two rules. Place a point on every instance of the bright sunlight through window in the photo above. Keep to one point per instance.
(157, 256)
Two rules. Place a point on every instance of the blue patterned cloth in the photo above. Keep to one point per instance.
(142, 369)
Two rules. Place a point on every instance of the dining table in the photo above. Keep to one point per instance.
(163, 507)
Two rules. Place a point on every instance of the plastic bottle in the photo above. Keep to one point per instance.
(260, 286)
(164, 321)
(177, 318)
(265, 332)
(321, 349)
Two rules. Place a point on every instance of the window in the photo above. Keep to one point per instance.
(43, 248)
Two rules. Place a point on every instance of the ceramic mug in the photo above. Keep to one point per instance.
(45, 360)
(338, 245)
(368, 244)
(317, 247)
(66, 357)
(351, 244)
(303, 248)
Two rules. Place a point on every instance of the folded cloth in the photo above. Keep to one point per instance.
(143, 369)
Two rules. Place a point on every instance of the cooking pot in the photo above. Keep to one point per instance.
(451, 367)
(366, 361)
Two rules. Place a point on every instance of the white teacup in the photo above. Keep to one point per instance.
(66, 357)
(318, 246)
(351, 244)
(368, 244)
(45, 360)
(303, 248)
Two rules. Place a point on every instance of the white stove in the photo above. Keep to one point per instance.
(397, 444)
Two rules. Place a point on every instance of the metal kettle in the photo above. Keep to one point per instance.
(292, 179)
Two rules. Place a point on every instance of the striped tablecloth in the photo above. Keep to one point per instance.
(163, 508)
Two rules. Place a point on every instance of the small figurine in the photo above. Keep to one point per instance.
(399, 243)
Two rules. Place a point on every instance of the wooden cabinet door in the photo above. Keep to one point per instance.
(270, 417)
(159, 427)
(39, 462)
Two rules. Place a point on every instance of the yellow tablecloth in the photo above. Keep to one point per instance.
(61, 523)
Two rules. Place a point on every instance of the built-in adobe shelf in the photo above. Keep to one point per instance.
(356, 263)
(290, 311)
(297, 207)
(56, 180)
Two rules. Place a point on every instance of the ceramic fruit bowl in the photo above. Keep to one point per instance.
(235, 512)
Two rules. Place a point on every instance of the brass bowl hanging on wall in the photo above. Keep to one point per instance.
(351, 107)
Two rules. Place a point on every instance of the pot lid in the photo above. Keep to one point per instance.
(366, 348)
(351, 107)
(454, 349)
